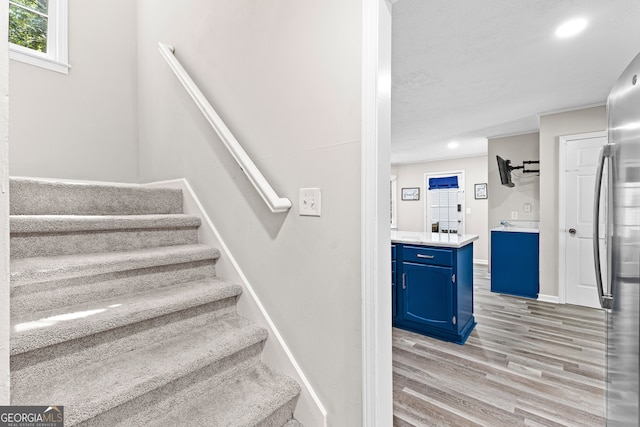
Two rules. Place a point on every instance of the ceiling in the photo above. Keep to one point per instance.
(468, 70)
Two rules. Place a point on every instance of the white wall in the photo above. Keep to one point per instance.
(505, 200)
(411, 214)
(553, 126)
(286, 78)
(82, 125)
(4, 209)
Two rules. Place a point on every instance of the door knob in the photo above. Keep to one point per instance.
(572, 231)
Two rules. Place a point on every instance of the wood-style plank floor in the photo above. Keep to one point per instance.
(527, 363)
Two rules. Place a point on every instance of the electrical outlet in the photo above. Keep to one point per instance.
(514, 214)
(310, 202)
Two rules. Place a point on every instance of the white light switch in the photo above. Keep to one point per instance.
(468, 211)
(310, 201)
(527, 207)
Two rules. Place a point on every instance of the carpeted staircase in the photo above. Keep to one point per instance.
(117, 314)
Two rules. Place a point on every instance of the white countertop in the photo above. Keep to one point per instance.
(432, 239)
(516, 229)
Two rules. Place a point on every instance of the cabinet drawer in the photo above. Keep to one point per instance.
(422, 255)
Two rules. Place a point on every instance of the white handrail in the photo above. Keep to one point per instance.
(275, 203)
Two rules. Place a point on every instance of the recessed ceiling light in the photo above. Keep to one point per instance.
(452, 145)
(571, 28)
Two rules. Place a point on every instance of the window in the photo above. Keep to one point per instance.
(38, 33)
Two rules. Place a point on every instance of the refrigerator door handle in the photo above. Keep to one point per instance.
(606, 300)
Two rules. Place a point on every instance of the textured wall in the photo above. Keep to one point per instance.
(553, 126)
(411, 214)
(286, 77)
(82, 125)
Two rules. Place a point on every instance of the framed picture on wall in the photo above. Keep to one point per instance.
(411, 193)
(481, 191)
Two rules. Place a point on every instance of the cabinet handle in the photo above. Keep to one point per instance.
(426, 256)
(404, 280)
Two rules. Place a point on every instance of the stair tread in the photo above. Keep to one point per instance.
(40, 329)
(39, 196)
(70, 223)
(37, 269)
(104, 384)
(245, 400)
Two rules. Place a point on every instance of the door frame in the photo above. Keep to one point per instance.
(562, 205)
(377, 375)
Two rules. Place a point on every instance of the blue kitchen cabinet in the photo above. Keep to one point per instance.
(434, 291)
(515, 263)
(394, 280)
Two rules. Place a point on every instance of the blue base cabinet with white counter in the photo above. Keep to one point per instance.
(433, 290)
(514, 263)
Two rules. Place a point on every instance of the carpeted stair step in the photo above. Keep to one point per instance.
(51, 235)
(48, 282)
(34, 331)
(117, 314)
(30, 196)
(101, 391)
(255, 396)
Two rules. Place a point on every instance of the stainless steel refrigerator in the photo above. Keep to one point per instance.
(619, 282)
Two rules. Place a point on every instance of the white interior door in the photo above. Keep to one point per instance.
(581, 158)
(441, 206)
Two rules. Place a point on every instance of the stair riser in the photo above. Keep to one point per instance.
(280, 416)
(60, 293)
(24, 245)
(131, 412)
(79, 348)
(32, 197)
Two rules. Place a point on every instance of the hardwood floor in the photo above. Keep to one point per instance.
(527, 363)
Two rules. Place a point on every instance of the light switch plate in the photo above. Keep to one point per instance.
(310, 202)
(527, 207)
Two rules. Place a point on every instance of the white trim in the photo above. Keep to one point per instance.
(309, 409)
(377, 379)
(394, 202)
(569, 109)
(562, 206)
(481, 261)
(57, 42)
(549, 298)
(5, 377)
(274, 202)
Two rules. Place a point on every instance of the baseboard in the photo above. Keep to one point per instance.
(549, 298)
(481, 261)
(309, 409)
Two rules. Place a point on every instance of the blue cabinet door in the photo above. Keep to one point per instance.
(514, 263)
(427, 295)
(394, 273)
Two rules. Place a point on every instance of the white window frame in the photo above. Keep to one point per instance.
(56, 57)
(394, 202)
